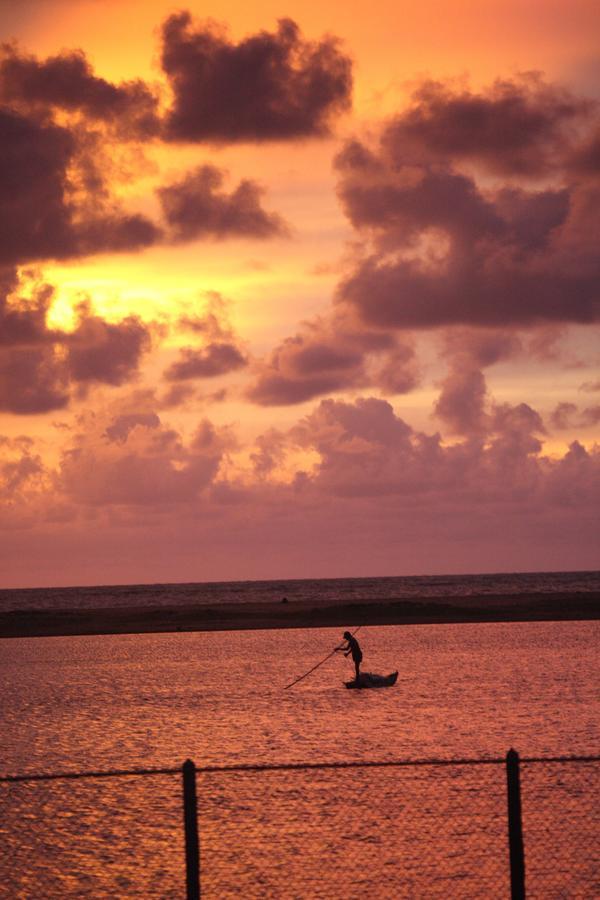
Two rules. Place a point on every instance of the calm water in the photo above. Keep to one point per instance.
(153, 700)
(332, 590)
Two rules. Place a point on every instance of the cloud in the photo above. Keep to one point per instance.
(41, 367)
(480, 346)
(461, 402)
(42, 215)
(195, 207)
(62, 136)
(32, 380)
(562, 415)
(269, 86)
(367, 450)
(67, 82)
(567, 415)
(463, 398)
(21, 470)
(590, 386)
(521, 126)
(220, 352)
(105, 352)
(444, 243)
(585, 159)
(23, 323)
(122, 425)
(56, 202)
(332, 354)
(142, 464)
(215, 359)
(351, 468)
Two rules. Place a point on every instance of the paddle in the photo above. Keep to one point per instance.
(329, 655)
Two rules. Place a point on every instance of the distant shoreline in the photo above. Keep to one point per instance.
(300, 614)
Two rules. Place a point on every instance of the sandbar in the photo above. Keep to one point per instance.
(300, 614)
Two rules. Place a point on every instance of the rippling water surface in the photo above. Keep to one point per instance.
(152, 700)
(331, 590)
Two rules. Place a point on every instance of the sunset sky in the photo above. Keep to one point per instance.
(298, 290)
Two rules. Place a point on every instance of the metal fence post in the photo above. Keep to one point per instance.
(190, 819)
(515, 827)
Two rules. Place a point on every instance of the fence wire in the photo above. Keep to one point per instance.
(561, 828)
(402, 830)
(423, 832)
(97, 838)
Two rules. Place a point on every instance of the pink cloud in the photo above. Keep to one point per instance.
(331, 354)
(377, 496)
(144, 463)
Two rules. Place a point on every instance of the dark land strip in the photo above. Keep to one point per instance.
(300, 614)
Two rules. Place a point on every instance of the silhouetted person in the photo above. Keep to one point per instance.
(352, 647)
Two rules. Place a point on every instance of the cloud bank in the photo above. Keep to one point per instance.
(456, 227)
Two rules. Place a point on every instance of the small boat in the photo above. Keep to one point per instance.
(370, 680)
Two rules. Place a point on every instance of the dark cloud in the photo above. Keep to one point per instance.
(567, 415)
(442, 245)
(67, 82)
(62, 131)
(32, 380)
(23, 322)
(462, 399)
(464, 404)
(121, 426)
(480, 347)
(178, 394)
(196, 207)
(208, 362)
(563, 415)
(105, 352)
(220, 351)
(41, 215)
(58, 128)
(269, 86)
(522, 126)
(585, 159)
(55, 202)
(515, 432)
(329, 355)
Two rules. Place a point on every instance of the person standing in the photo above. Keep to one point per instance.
(352, 647)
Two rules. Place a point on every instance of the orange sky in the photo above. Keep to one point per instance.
(508, 410)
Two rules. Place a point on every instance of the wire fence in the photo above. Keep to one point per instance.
(493, 828)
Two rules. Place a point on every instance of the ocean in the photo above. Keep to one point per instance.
(331, 590)
(468, 691)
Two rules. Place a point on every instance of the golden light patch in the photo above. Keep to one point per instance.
(61, 315)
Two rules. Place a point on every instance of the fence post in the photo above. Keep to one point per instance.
(515, 827)
(190, 820)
